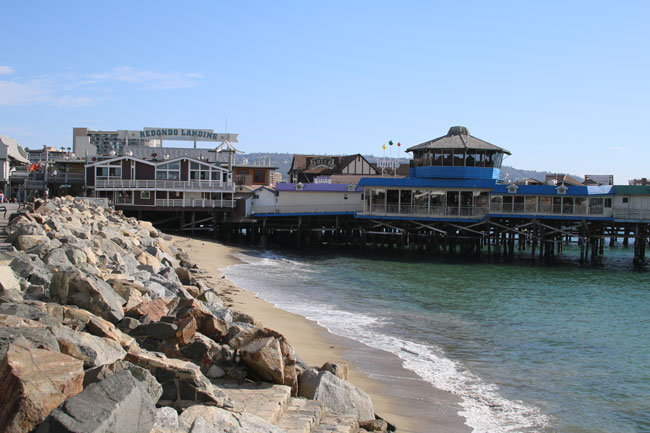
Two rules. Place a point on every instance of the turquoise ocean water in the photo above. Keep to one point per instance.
(528, 347)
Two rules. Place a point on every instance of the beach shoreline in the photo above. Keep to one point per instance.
(399, 395)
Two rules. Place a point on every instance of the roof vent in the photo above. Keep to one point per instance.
(457, 130)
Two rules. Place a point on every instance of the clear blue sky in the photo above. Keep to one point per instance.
(563, 85)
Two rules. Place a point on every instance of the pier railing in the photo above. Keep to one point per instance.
(176, 185)
(325, 208)
(427, 211)
(624, 214)
(188, 202)
(546, 209)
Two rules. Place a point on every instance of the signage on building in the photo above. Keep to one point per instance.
(322, 161)
(180, 134)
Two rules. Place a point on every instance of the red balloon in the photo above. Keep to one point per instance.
(399, 144)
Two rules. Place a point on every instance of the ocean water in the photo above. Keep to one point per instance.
(528, 347)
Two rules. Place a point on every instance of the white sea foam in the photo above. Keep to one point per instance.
(483, 407)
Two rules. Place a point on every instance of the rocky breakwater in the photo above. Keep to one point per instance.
(107, 327)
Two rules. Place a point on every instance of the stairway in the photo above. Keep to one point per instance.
(274, 404)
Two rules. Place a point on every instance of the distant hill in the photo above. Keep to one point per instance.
(283, 162)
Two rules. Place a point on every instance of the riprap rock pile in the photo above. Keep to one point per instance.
(105, 326)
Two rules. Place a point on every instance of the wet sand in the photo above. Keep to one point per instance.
(398, 394)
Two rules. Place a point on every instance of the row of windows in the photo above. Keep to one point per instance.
(458, 158)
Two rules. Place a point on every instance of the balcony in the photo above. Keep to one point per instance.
(180, 203)
(171, 185)
(324, 208)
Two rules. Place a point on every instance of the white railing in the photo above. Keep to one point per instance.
(631, 214)
(324, 208)
(194, 202)
(547, 209)
(427, 211)
(176, 185)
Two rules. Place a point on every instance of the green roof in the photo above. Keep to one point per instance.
(631, 190)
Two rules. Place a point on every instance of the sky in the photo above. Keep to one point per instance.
(563, 85)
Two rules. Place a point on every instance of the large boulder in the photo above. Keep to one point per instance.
(155, 309)
(29, 310)
(117, 404)
(147, 380)
(33, 382)
(268, 355)
(205, 419)
(182, 381)
(87, 291)
(339, 396)
(92, 350)
(40, 337)
(206, 322)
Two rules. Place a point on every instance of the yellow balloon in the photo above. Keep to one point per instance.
(383, 147)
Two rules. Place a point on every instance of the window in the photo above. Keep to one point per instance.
(259, 176)
(145, 195)
(169, 171)
(625, 199)
(608, 202)
(345, 196)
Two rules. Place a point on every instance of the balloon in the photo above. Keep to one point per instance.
(383, 147)
(399, 144)
(390, 142)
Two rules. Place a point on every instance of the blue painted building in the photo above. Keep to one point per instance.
(456, 178)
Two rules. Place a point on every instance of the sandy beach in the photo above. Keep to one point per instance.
(398, 395)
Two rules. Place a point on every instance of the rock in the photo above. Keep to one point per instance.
(29, 311)
(155, 309)
(8, 280)
(87, 291)
(186, 329)
(117, 404)
(57, 258)
(181, 380)
(128, 324)
(338, 369)
(166, 419)
(33, 382)
(267, 354)
(336, 395)
(184, 275)
(143, 375)
(215, 372)
(219, 420)
(76, 256)
(157, 330)
(32, 268)
(238, 316)
(374, 425)
(92, 350)
(25, 242)
(145, 258)
(10, 296)
(39, 337)
(206, 322)
(205, 352)
(210, 297)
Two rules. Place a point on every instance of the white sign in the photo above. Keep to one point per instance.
(179, 134)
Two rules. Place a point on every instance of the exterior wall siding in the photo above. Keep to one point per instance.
(185, 174)
(144, 171)
(307, 198)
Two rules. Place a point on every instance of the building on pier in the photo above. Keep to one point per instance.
(306, 168)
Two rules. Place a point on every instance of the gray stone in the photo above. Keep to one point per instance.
(210, 297)
(57, 258)
(89, 292)
(92, 350)
(184, 275)
(10, 296)
(166, 419)
(220, 420)
(32, 268)
(338, 369)
(128, 323)
(76, 256)
(39, 337)
(28, 311)
(157, 330)
(117, 404)
(336, 395)
(147, 380)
